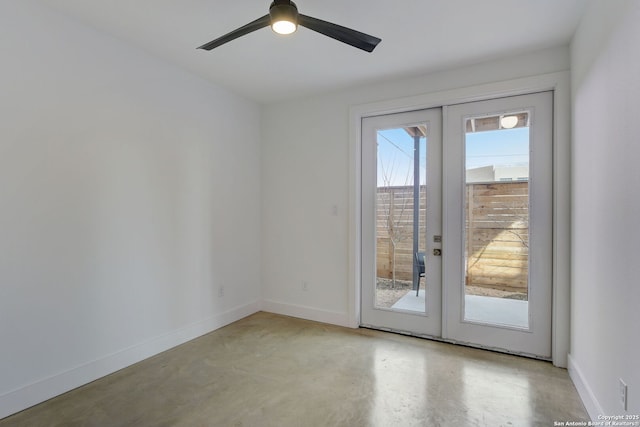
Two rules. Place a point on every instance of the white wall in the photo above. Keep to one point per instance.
(305, 174)
(129, 193)
(605, 344)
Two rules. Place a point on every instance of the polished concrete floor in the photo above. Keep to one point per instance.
(271, 370)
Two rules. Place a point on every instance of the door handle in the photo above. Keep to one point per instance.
(437, 252)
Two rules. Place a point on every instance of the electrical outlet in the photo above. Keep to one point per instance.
(305, 285)
(220, 291)
(623, 394)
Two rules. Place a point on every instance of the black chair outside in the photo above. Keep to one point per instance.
(420, 263)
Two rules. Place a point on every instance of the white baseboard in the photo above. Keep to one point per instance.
(37, 392)
(307, 313)
(586, 394)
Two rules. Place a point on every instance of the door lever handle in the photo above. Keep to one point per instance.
(437, 252)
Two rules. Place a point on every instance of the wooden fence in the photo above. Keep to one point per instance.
(497, 233)
(394, 227)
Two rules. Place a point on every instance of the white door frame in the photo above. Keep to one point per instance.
(556, 82)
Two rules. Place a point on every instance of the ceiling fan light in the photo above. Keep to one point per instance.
(284, 16)
(284, 27)
(509, 122)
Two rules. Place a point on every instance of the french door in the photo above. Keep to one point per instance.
(457, 233)
(498, 208)
(401, 199)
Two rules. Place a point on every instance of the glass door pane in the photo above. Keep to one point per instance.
(496, 217)
(401, 218)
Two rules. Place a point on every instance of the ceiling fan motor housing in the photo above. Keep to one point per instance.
(283, 10)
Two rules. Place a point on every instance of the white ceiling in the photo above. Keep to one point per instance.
(418, 36)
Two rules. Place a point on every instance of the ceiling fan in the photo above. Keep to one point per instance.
(283, 17)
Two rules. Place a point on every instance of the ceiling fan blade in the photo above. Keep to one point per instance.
(259, 23)
(346, 35)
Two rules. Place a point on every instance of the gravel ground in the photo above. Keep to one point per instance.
(387, 294)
